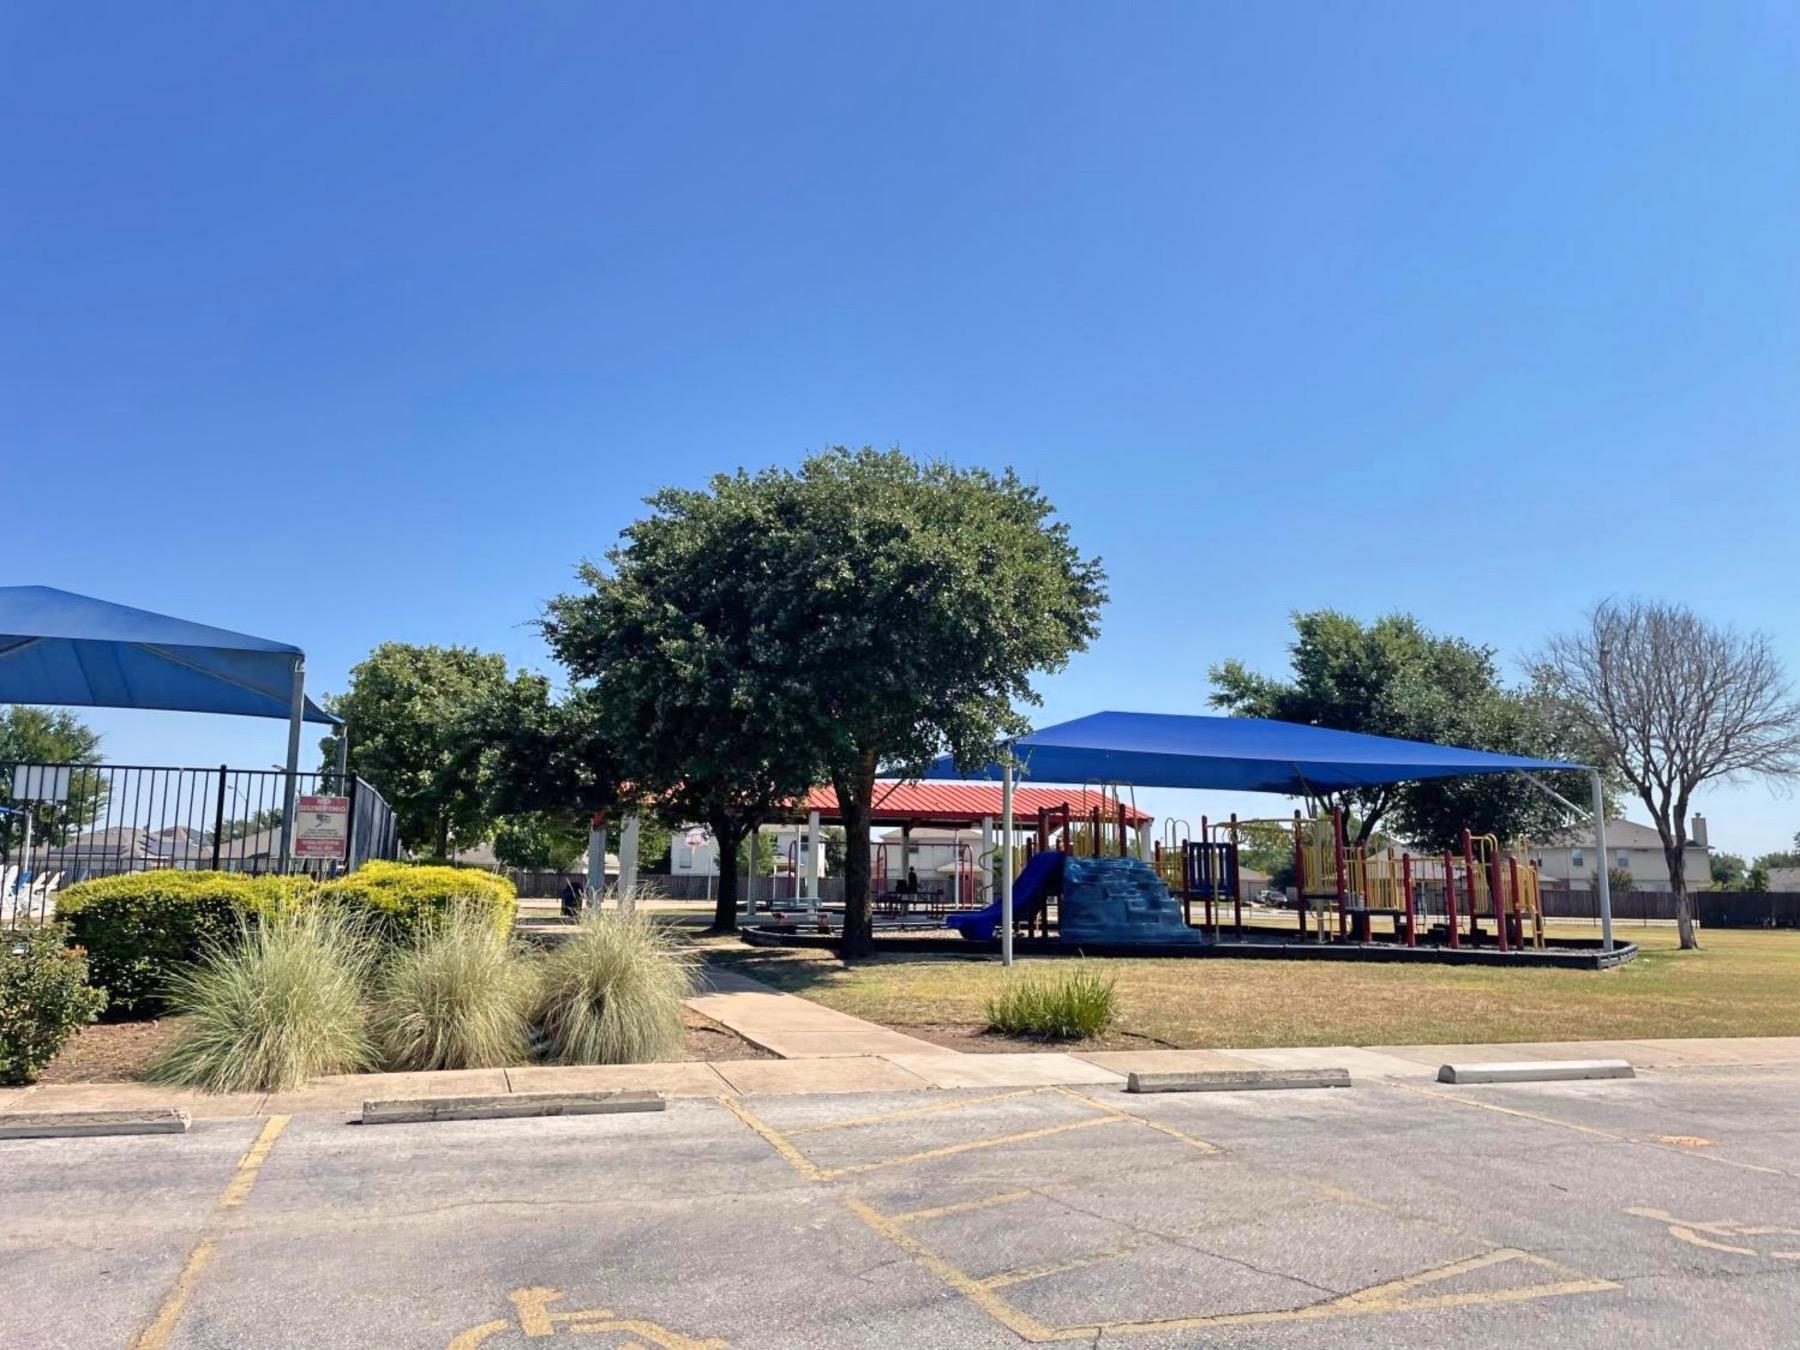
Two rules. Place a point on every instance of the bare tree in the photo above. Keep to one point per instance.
(1670, 702)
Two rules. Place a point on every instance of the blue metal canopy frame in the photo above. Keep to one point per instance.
(1240, 754)
(64, 649)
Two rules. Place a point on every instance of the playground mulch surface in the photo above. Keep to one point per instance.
(1741, 983)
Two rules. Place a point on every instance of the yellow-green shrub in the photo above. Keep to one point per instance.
(398, 899)
(139, 928)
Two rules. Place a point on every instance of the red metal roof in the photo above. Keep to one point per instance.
(967, 803)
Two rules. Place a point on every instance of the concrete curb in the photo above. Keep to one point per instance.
(80, 1124)
(507, 1106)
(1237, 1080)
(1536, 1071)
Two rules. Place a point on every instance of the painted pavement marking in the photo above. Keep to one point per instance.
(531, 1306)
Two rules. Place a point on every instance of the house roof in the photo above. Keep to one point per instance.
(1619, 834)
(965, 805)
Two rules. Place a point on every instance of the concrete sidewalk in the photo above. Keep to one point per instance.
(898, 1071)
(793, 1027)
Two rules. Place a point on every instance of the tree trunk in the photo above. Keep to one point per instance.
(856, 795)
(1676, 858)
(727, 834)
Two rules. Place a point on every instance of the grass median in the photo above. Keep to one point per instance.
(1741, 983)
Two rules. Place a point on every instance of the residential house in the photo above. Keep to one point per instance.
(1568, 860)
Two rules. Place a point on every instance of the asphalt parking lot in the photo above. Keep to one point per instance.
(1661, 1211)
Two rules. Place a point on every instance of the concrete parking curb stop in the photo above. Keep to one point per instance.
(1536, 1071)
(1238, 1080)
(78, 1124)
(507, 1106)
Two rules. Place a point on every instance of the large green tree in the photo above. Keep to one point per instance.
(1394, 677)
(32, 735)
(778, 629)
(412, 712)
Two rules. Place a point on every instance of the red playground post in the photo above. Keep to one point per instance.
(1337, 855)
(1469, 885)
(1501, 919)
(1450, 898)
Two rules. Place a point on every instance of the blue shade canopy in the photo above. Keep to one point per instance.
(1238, 754)
(57, 647)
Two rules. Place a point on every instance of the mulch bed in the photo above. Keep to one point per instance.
(120, 1052)
(973, 1038)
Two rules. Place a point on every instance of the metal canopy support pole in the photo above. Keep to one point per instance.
(1006, 859)
(1604, 881)
(1598, 814)
(296, 714)
(749, 881)
(810, 867)
(596, 861)
(628, 857)
(343, 755)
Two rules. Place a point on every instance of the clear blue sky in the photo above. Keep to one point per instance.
(340, 323)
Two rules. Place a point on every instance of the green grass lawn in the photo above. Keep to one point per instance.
(1742, 983)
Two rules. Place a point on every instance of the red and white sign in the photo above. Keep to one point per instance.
(322, 827)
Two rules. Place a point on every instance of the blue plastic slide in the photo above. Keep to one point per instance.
(1031, 888)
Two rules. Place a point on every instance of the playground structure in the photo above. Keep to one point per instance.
(1342, 885)
(1486, 880)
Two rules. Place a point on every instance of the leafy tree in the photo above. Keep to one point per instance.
(32, 735)
(1394, 677)
(1729, 871)
(1757, 878)
(410, 710)
(765, 858)
(539, 841)
(833, 839)
(740, 638)
(1674, 702)
(1618, 879)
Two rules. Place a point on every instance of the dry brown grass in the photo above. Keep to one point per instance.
(1743, 983)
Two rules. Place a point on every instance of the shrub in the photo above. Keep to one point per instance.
(138, 929)
(612, 993)
(44, 997)
(399, 899)
(459, 997)
(1070, 1006)
(277, 1004)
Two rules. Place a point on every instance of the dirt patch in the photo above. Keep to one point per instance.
(110, 1052)
(973, 1038)
(706, 1039)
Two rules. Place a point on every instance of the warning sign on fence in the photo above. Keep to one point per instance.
(322, 827)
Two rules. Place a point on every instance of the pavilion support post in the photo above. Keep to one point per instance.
(1006, 859)
(1603, 881)
(629, 833)
(810, 867)
(296, 717)
(749, 881)
(596, 862)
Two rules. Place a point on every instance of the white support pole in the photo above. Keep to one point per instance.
(596, 873)
(1603, 881)
(749, 881)
(343, 756)
(628, 858)
(296, 715)
(1006, 859)
(987, 860)
(809, 868)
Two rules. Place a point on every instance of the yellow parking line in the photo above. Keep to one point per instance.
(969, 1146)
(912, 1112)
(237, 1190)
(775, 1140)
(961, 1207)
(1045, 1269)
(1119, 1111)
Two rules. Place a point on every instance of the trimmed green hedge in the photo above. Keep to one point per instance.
(139, 927)
(400, 898)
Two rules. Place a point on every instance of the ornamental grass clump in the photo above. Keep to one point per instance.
(459, 996)
(278, 1003)
(612, 993)
(1069, 1006)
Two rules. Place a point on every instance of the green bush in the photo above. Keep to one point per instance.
(459, 997)
(399, 899)
(1070, 1006)
(138, 929)
(280, 1002)
(44, 997)
(612, 993)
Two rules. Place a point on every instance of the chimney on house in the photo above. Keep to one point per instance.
(1697, 831)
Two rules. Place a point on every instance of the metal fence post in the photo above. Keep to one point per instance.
(219, 816)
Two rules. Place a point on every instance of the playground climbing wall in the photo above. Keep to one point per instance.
(1118, 900)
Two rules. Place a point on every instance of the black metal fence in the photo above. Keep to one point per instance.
(94, 820)
(1749, 909)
